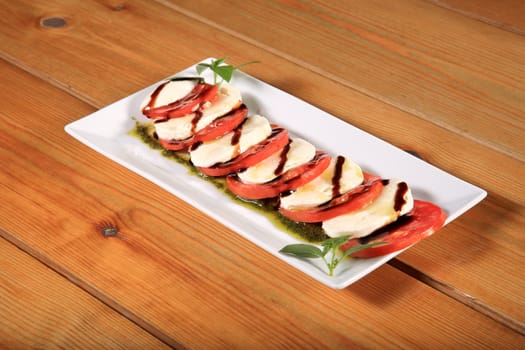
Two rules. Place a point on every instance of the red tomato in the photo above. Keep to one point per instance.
(290, 180)
(222, 125)
(253, 155)
(219, 127)
(421, 222)
(201, 93)
(355, 199)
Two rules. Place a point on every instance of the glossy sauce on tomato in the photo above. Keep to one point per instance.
(312, 233)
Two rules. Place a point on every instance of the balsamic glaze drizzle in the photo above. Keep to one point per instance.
(284, 157)
(399, 201)
(336, 179)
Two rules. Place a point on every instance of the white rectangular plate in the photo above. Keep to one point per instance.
(106, 131)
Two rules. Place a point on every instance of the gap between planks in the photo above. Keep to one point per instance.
(50, 80)
(446, 289)
(460, 296)
(304, 64)
(477, 17)
(91, 290)
(439, 286)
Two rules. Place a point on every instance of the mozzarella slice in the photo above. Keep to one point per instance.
(395, 200)
(254, 130)
(296, 153)
(170, 91)
(228, 98)
(175, 128)
(341, 176)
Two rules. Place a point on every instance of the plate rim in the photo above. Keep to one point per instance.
(315, 271)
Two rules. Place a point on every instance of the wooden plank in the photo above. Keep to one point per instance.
(40, 309)
(180, 272)
(506, 14)
(470, 160)
(413, 63)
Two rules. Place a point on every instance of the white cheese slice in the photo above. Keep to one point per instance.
(298, 153)
(321, 189)
(254, 130)
(379, 213)
(228, 98)
(171, 91)
(181, 128)
(175, 128)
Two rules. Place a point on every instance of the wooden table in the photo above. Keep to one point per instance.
(445, 79)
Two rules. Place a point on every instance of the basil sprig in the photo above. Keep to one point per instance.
(221, 69)
(330, 245)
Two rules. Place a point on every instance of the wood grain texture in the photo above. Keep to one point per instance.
(506, 14)
(397, 52)
(42, 310)
(81, 189)
(472, 271)
(452, 152)
(178, 271)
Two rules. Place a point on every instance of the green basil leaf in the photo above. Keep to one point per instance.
(220, 69)
(335, 242)
(225, 72)
(245, 64)
(201, 67)
(218, 62)
(302, 251)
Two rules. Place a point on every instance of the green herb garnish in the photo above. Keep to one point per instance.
(331, 245)
(220, 69)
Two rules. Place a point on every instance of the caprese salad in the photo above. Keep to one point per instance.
(261, 160)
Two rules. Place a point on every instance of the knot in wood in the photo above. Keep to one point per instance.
(120, 7)
(53, 22)
(107, 229)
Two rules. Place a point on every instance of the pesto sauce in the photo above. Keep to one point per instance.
(312, 233)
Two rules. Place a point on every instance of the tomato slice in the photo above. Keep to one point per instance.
(253, 155)
(288, 181)
(219, 127)
(424, 219)
(223, 125)
(355, 199)
(200, 94)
